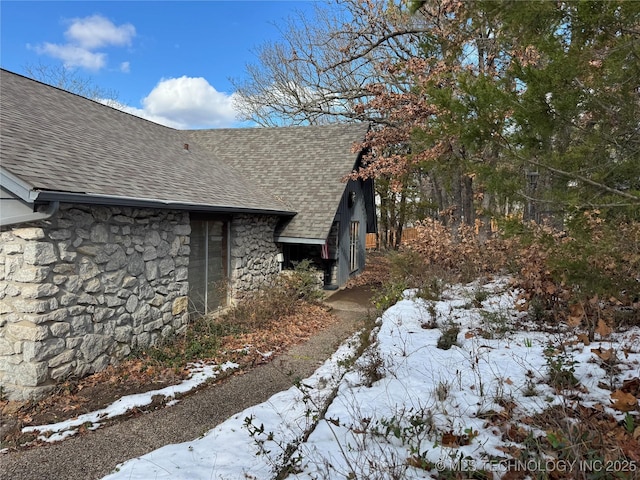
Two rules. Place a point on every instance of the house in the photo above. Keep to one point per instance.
(292, 163)
(114, 229)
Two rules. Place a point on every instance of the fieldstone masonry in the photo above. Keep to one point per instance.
(253, 253)
(81, 290)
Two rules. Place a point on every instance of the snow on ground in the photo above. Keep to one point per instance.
(55, 432)
(404, 399)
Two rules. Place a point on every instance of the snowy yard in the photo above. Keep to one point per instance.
(505, 397)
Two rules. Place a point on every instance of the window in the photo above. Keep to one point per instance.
(208, 265)
(353, 246)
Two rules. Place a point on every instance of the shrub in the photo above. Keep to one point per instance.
(389, 294)
(560, 369)
(461, 255)
(588, 271)
(202, 338)
(278, 299)
(449, 337)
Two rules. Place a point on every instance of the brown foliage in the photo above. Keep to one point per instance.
(463, 253)
(587, 277)
(376, 273)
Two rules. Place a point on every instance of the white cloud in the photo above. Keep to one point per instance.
(184, 103)
(85, 36)
(97, 31)
(74, 56)
(125, 67)
(191, 102)
(139, 112)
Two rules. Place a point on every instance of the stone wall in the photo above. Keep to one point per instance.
(253, 253)
(80, 290)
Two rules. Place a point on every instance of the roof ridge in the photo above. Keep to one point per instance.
(95, 102)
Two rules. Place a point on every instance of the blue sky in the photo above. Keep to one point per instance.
(168, 61)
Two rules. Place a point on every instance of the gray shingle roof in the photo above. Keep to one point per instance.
(57, 141)
(304, 166)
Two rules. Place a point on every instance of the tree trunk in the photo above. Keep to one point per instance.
(401, 217)
(468, 214)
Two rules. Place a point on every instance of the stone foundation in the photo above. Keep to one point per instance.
(82, 289)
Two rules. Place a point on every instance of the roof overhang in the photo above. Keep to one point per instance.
(123, 201)
(30, 195)
(306, 241)
(17, 186)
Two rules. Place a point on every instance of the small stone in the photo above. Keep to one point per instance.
(181, 274)
(62, 234)
(117, 259)
(150, 253)
(179, 305)
(152, 238)
(29, 233)
(68, 299)
(31, 274)
(88, 269)
(182, 229)
(123, 334)
(53, 316)
(93, 346)
(80, 218)
(12, 248)
(86, 299)
(60, 329)
(114, 301)
(135, 264)
(102, 214)
(39, 254)
(35, 306)
(43, 350)
(166, 266)
(92, 286)
(132, 304)
(123, 220)
(64, 357)
(101, 314)
(155, 325)
(73, 283)
(151, 270)
(99, 233)
(61, 372)
(27, 331)
(113, 281)
(41, 290)
(89, 250)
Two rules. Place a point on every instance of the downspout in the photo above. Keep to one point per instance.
(45, 214)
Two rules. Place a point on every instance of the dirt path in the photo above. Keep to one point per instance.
(95, 454)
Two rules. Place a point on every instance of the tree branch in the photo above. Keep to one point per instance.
(576, 176)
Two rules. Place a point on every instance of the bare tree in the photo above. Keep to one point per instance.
(67, 78)
(328, 69)
(323, 70)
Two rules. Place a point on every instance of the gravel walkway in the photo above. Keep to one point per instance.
(96, 454)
